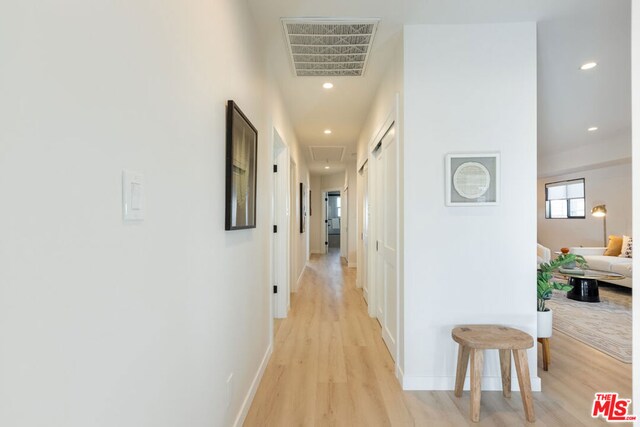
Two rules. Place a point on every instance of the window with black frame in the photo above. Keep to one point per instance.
(565, 199)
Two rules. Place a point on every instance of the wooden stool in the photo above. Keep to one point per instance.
(473, 340)
(546, 353)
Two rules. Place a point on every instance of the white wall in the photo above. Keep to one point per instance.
(388, 97)
(610, 186)
(590, 156)
(467, 88)
(111, 324)
(352, 225)
(334, 181)
(635, 43)
(384, 101)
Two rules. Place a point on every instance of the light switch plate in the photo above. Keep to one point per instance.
(132, 196)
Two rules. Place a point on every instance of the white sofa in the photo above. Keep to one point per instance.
(544, 254)
(615, 264)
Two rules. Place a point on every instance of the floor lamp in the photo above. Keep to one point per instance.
(601, 211)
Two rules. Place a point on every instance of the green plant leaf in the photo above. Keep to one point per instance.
(545, 284)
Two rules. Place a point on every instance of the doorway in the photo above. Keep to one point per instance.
(333, 220)
(382, 277)
(280, 236)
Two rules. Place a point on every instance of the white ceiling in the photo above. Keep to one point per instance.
(570, 33)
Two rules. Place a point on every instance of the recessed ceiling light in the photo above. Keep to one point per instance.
(593, 128)
(588, 65)
(327, 85)
(327, 131)
(327, 167)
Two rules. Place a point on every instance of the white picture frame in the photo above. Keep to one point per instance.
(472, 179)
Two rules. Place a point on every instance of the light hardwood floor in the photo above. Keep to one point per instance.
(330, 367)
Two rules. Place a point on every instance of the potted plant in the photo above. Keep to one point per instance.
(546, 285)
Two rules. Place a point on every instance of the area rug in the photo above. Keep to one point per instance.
(605, 326)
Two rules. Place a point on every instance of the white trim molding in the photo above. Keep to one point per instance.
(400, 374)
(300, 278)
(246, 403)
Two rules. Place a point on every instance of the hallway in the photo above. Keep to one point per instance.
(331, 367)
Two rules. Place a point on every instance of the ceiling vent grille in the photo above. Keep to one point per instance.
(329, 47)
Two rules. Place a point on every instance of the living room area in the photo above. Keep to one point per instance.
(584, 209)
(588, 214)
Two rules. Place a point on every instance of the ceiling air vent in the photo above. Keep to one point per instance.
(329, 47)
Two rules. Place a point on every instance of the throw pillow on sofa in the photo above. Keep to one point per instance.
(625, 241)
(614, 248)
(627, 250)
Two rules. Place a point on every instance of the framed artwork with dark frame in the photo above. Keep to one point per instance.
(472, 179)
(303, 208)
(241, 170)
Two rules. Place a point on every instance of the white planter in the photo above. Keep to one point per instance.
(545, 324)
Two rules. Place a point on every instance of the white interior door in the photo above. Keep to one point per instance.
(280, 239)
(378, 265)
(389, 241)
(385, 221)
(365, 233)
(344, 224)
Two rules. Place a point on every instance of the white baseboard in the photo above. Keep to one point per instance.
(399, 374)
(448, 383)
(246, 404)
(300, 278)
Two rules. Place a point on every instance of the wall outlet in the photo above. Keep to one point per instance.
(229, 389)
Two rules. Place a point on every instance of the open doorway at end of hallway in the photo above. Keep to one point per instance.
(333, 218)
(336, 224)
